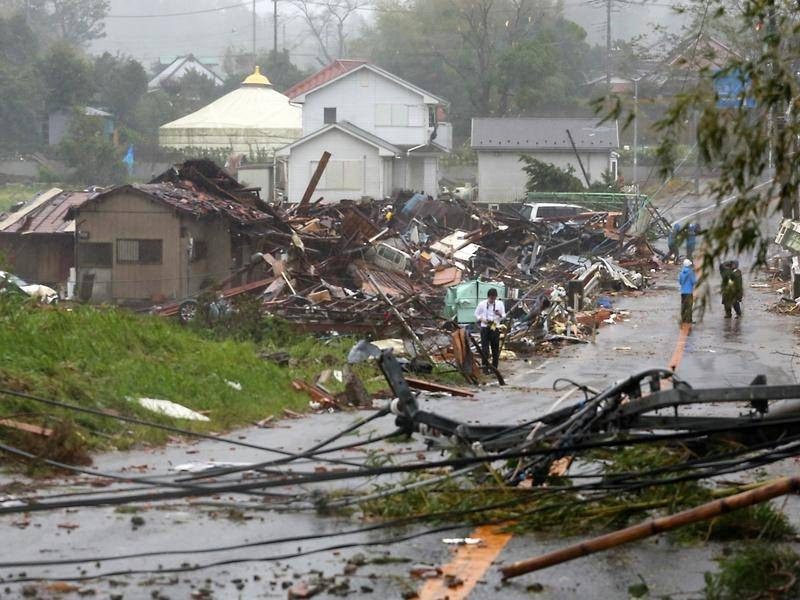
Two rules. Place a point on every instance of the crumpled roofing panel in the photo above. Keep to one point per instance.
(188, 198)
(49, 217)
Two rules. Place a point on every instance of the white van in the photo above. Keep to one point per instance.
(538, 211)
(389, 258)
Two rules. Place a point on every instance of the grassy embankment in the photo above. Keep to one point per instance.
(98, 357)
(12, 193)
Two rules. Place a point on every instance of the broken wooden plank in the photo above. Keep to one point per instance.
(430, 386)
(317, 393)
(27, 427)
(312, 185)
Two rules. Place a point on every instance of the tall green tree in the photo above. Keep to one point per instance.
(488, 57)
(66, 76)
(752, 139)
(20, 87)
(88, 150)
(546, 177)
(79, 21)
(73, 21)
(121, 82)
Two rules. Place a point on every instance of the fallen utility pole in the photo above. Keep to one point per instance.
(418, 342)
(655, 526)
(578, 156)
(312, 185)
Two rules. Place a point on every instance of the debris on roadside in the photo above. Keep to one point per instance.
(170, 409)
(411, 283)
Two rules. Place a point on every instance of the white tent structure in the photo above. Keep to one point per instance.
(253, 118)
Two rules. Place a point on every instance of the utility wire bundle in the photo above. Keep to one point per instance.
(638, 411)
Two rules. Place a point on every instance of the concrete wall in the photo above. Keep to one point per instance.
(342, 147)
(355, 98)
(133, 216)
(501, 178)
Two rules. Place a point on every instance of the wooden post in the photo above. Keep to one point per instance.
(486, 360)
(655, 526)
(312, 185)
(417, 342)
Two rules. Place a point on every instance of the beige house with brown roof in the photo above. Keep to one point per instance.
(167, 240)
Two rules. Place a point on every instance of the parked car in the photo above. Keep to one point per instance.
(538, 211)
(9, 281)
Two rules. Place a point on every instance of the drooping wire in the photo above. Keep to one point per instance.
(163, 427)
(458, 462)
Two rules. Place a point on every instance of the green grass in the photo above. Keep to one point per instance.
(96, 357)
(561, 513)
(11, 193)
(756, 571)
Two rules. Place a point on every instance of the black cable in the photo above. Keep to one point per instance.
(699, 462)
(193, 489)
(184, 569)
(393, 523)
(311, 452)
(170, 428)
(177, 483)
(407, 468)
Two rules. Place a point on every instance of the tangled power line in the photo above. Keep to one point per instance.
(638, 411)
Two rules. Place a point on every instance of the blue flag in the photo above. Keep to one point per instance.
(128, 160)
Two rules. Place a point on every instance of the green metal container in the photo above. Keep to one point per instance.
(461, 300)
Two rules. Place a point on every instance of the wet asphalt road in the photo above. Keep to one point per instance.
(718, 352)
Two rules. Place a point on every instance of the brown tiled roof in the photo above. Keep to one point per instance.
(189, 199)
(333, 70)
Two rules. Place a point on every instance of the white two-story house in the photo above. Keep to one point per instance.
(384, 134)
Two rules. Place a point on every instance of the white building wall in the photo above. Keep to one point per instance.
(501, 178)
(355, 98)
(431, 176)
(303, 160)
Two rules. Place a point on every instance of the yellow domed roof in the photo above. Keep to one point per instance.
(256, 78)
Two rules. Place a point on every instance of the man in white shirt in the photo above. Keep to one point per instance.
(489, 314)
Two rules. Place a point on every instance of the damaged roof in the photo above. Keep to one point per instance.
(543, 133)
(201, 189)
(190, 200)
(47, 214)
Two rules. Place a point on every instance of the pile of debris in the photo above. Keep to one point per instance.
(414, 267)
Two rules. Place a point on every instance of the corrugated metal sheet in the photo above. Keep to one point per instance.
(543, 133)
(46, 215)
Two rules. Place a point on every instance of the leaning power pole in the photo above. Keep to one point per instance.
(275, 27)
(608, 44)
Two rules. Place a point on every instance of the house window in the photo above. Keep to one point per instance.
(198, 250)
(341, 175)
(397, 115)
(330, 115)
(431, 116)
(95, 254)
(139, 252)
